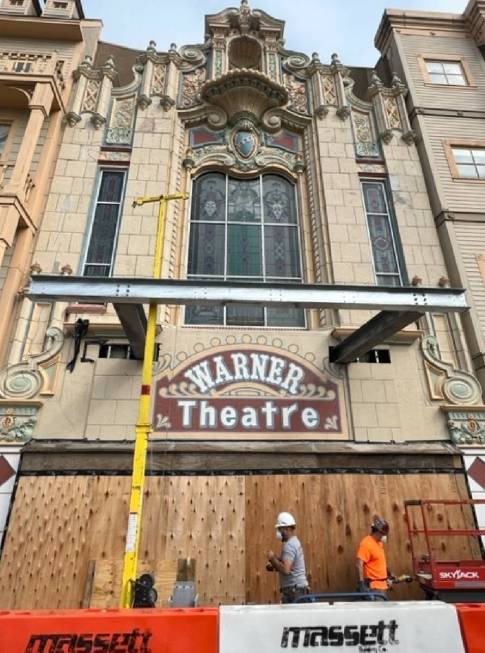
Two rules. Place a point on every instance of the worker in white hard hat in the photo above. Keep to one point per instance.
(291, 562)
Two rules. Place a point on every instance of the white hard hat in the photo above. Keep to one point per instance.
(285, 519)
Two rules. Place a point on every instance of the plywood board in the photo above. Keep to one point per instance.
(60, 525)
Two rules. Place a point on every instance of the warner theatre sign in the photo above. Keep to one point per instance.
(244, 391)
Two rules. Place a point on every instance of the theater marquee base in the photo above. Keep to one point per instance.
(216, 506)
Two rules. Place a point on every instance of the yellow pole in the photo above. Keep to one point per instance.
(143, 425)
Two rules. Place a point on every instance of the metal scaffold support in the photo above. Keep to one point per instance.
(144, 423)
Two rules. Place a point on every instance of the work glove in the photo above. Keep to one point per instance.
(362, 586)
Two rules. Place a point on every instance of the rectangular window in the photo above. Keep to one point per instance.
(247, 231)
(448, 73)
(470, 163)
(4, 132)
(387, 265)
(105, 224)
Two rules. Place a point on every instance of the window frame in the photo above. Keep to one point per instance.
(464, 144)
(10, 122)
(300, 235)
(424, 59)
(396, 239)
(92, 215)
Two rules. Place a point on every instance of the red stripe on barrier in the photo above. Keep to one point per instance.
(472, 622)
(133, 631)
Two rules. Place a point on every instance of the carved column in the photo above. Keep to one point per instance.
(109, 73)
(340, 73)
(272, 65)
(376, 89)
(40, 106)
(218, 54)
(81, 74)
(400, 91)
(13, 282)
(148, 61)
(390, 109)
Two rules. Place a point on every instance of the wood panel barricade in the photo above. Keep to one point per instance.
(400, 627)
(133, 631)
(224, 523)
(472, 621)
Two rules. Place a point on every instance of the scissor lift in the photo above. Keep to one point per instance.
(452, 581)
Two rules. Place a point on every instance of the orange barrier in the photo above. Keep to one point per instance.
(472, 622)
(101, 631)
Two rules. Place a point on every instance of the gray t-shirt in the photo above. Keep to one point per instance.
(292, 550)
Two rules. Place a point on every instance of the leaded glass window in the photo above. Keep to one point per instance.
(244, 230)
(104, 227)
(384, 240)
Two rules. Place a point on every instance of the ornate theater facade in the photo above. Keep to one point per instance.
(302, 174)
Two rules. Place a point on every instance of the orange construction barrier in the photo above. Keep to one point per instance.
(472, 622)
(104, 631)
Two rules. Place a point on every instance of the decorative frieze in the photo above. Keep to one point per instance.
(17, 421)
(466, 427)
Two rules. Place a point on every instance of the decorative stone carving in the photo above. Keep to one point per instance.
(244, 92)
(390, 109)
(297, 94)
(191, 86)
(244, 149)
(445, 382)
(340, 74)
(91, 96)
(467, 427)
(155, 76)
(120, 128)
(82, 74)
(364, 136)
(28, 378)
(17, 422)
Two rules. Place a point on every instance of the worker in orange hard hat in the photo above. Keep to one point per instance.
(371, 558)
(291, 561)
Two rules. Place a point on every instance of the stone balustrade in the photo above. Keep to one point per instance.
(32, 63)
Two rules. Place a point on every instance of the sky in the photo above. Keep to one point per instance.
(347, 27)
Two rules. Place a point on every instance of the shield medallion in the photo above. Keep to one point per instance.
(245, 143)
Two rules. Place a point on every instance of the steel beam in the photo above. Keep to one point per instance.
(134, 323)
(372, 333)
(399, 306)
(173, 291)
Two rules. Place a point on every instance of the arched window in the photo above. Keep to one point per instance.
(244, 230)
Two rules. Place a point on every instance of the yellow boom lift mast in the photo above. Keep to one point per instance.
(144, 422)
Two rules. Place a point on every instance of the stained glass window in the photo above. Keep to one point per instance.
(382, 236)
(244, 230)
(104, 227)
